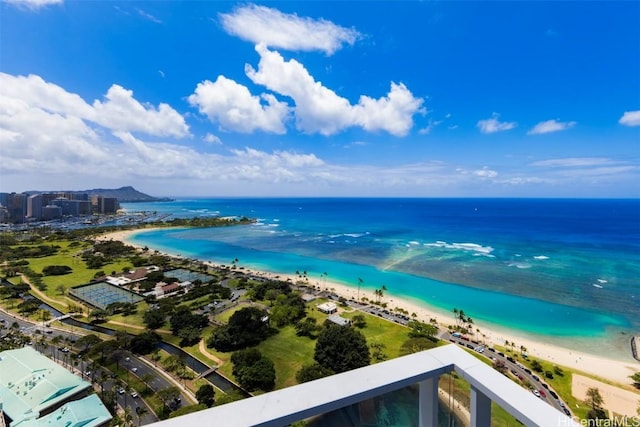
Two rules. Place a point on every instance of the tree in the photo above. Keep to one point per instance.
(312, 372)
(147, 378)
(168, 394)
(636, 379)
(183, 318)
(189, 336)
(422, 330)
(253, 370)
(145, 342)
(98, 315)
(377, 352)
(140, 412)
(307, 327)
(88, 341)
(341, 348)
(358, 321)
(206, 395)
(56, 270)
(536, 366)
(247, 327)
(595, 401)
(414, 345)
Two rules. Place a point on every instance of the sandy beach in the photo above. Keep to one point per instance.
(609, 369)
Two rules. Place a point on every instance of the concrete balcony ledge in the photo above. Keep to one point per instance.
(282, 407)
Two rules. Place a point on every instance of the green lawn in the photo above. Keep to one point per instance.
(289, 353)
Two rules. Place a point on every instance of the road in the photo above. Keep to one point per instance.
(514, 370)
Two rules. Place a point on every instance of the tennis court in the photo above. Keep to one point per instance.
(101, 294)
(182, 274)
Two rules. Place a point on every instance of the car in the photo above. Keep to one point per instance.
(127, 359)
(536, 393)
(87, 373)
(134, 369)
(553, 393)
(120, 390)
(542, 393)
(535, 377)
(134, 394)
(566, 411)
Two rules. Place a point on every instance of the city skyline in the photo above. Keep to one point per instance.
(420, 99)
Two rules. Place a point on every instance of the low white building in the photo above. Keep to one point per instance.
(118, 281)
(328, 307)
(339, 320)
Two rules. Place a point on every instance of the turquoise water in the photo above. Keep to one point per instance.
(562, 270)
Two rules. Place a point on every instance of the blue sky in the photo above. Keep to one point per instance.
(360, 98)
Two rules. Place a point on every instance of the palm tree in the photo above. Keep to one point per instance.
(128, 417)
(147, 379)
(103, 378)
(140, 412)
(382, 289)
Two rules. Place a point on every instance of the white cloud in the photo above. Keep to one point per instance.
(493, 125)
(574, 162)
(630, 118)
(430, 126)
(120, 111)
(588, 168)
(232, 105)
(211, 139)
(148, 16)
(319, 109)
(550, 126)
(485, 172)
(260, 24)
(33, 4)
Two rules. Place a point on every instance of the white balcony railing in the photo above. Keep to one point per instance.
(282, 407)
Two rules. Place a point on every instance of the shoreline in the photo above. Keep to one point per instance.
(602, 367)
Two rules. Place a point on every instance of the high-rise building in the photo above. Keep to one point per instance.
(50, 212)
(34, 207)
(17, 206)
(104, 205)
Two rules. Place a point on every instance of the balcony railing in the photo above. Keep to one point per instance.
(282, 407)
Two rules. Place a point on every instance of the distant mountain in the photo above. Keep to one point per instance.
(123, 194)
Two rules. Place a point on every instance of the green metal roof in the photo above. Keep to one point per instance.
(87, 412)
(31, 382)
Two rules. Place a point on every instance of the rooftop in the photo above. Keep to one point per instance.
(87, 412)
(31, 383)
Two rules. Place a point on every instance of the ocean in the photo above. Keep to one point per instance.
(565, 271)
